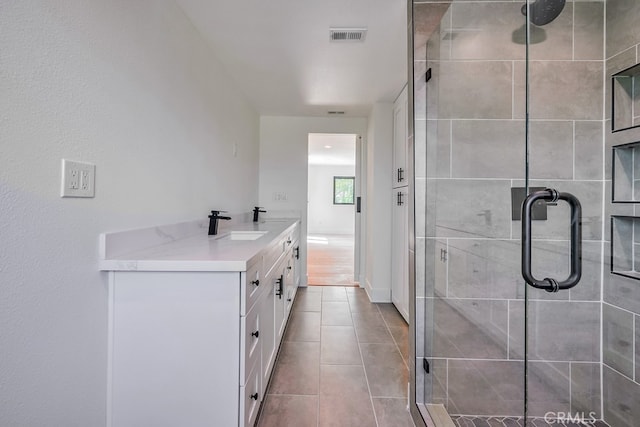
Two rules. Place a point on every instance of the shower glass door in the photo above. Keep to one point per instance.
(508, 101)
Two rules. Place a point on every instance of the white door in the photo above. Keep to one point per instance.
(399, 253)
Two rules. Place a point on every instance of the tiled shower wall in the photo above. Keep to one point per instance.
(469, 133)
(621, 295)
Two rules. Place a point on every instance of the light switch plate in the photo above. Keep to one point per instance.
(78, 179)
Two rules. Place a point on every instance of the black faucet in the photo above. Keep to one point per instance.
(213, 222)
(256, 210)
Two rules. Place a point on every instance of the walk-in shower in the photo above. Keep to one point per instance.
(518, 318)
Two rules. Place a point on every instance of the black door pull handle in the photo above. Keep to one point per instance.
(549, 284)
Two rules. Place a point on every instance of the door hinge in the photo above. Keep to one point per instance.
(425, 365)
(427, 75)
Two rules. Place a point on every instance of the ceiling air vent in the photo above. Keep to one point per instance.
(347, 34)
(335, 113)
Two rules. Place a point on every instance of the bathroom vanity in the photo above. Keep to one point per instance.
(195, 321)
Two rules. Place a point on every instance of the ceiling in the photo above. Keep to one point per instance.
(332, 149)
(279, 52)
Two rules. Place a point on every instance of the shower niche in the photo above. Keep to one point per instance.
(626, 173)
(625, 102)
(625, 246)
(625, 230)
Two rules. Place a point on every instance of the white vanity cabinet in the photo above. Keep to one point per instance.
(173, 348)
(196, 348)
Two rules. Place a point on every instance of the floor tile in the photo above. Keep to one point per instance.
(339, 346)
(303, 326)
(296, 371)
(359, 301)
(319, 378)
(372, 331)
(372, 316)
(346, 381)
(334, 293)
(289, 411)
(336, 318)
(391, 315)
(338, 306)
(308, 301)
(339, 412)
(386, 372)
(401, 338)
(336, 313)
(392, 412)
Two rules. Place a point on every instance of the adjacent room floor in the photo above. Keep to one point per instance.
(330, 260)
(343, 362)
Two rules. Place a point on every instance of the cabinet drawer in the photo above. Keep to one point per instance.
(250, 398)
(295, 235)
(273, 254)
(250, 349)
(250, 287)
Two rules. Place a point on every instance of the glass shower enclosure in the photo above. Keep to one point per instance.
(518, 318)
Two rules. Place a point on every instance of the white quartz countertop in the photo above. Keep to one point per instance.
(187, 247)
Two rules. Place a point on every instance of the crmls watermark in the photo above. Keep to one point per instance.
(577, 417)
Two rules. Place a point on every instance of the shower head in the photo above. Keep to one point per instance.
(541, 12)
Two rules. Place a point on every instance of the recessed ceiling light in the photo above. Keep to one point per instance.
(327, 146)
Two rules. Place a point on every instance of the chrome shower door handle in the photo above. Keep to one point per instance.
(549, 284)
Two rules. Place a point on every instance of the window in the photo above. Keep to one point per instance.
(343, 190)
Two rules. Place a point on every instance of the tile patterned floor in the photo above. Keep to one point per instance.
(466, 421)
(343, 362)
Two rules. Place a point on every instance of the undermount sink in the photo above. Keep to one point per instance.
(242, 235)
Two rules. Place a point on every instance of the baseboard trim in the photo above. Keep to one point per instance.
(377, 294)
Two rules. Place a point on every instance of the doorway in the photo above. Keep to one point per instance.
(332, 203)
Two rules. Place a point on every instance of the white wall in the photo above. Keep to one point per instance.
(284, 161)
(324, 216)
(131, 87)
(378, 203)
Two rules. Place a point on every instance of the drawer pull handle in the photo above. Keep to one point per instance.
(279, 290)
(254, 396)
(256, 282)
(255, 334)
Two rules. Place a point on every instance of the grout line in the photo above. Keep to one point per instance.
(446, 383)
(508, 328)
(573, 155)
(364, 369)
(450, 148)
(513, 90)
(570, 391)
(393, 338)
(634, 353)
(573, 32)
(619, 373)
